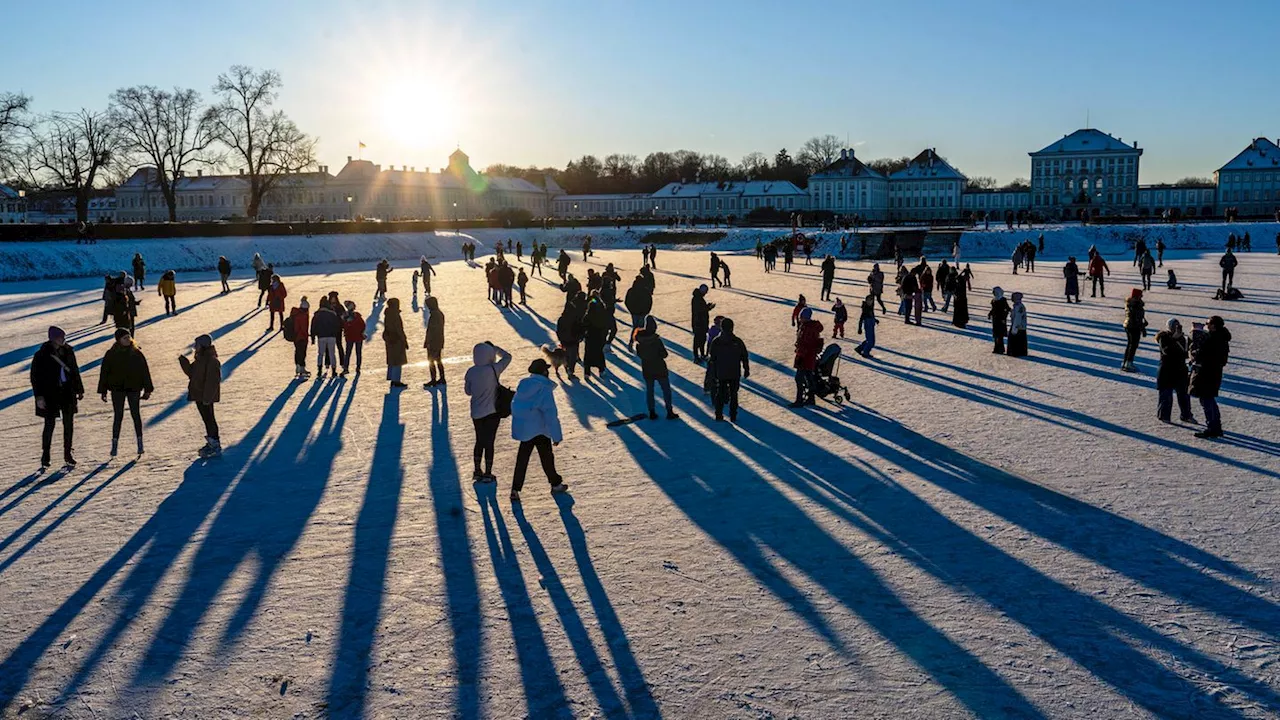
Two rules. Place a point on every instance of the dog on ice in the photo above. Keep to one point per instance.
(555, 357)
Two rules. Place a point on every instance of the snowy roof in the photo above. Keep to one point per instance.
(750, 187)
(1261, 153)
(847, 166)
(146, 176)
(604, 196)
(1087, 141)
(928, 165)
(8, 192)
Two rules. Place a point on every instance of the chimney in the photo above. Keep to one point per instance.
(348, 158)
(844, 154)
(241, 171)
(1135, 144)
(199, 173)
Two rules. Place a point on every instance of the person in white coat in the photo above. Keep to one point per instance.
(481, 385)
(536, 424)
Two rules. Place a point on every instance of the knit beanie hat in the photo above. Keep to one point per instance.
(56, 333)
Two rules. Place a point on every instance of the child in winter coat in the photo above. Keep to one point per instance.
(204, 388)
(1172, 282)
(801, 304)
(841, 317)
(416, 275)
(353, 327)
(276, 294)
(867, 326)
(999, 316)
(1135, 327)
(300, 330)
(167, 288)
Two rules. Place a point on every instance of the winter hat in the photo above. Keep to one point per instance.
(997, 292)
(304, 304)
(1071, 258)
(839, 301)
(806, 313)
(350, 305)
(123, 333)
(703, 289)
(651, 323)
(1173, 325)
(203, 341)
(1017, 297)
(539, 367)
(56, 333)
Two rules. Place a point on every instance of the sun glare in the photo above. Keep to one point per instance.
(418, 114)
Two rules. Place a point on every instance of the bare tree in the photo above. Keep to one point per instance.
(261, 140)
(819, 152)
(754, 165)
(166, 129)
(1017, 184)
(887, 166)
(13, 116)
(981, 182)
(1193, 182)
(72, 151)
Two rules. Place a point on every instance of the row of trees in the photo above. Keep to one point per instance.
(173, 131)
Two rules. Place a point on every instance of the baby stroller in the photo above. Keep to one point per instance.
(828, 384)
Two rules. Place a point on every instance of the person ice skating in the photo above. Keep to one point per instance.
(828, 277)
(1029, 256)
(1071, 272)
(265, 275)
(519, 250)
(1160, 246)
(204, 388)
(653, 367)
(639, 302)
(258, 264)
(562, 264)
(1135, 327)
(569, 330)
(535, 424)
(1208, 359)
(841, 316)
(867, 327)
(276, 294)
(1041, 243)
(1017, 327)
(730, 363)
(396, 341)
(999, 316)
(1147, 268)
(326, 328)
(1247, 243)
(715, 271)
(380, 272)
(224, 272)
(808, 347)
(1228, 264)
(1096, 267)
(770, 254)
(1172, 377)
(597, 323)
(1171, 281)
(1139, 249)
(875, 285)
(353, 329)
(481, 384)
(58, 389)
(960, 294)
(700, 311)
(139, 271)
(808, 253)
(124, 375)
(522, 281)
(434, 342)
(298, 331)
(167, 288)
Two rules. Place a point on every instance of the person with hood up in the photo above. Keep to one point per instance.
(434, 342)
(300, 320)
(481, 385)
(257, 263)
(808, 347)
(841, 314)
(204, 388)
(999, 316)
(396, 341)
(1208, 358)
(875, 282)
(1228, 264)
(730, 363)
(125, 305)
(828, 277)
(1071, 273)
(265, 274)
(639, 302)
(58, 389)
(535, 424)
(867, 326)
(960, 294)
(1096, 267)
(126, 377)
(1147, 268)
(224, 272)
(425, 271)
(597, 323)
(569, 330)
(167, 288)
(1135, 327)
(570, 287)
(700, 310)
(139, 270)
(1018, 327)
(326, 328)
(353, 328)
(653, 367)
(1172, 377)
(276, 294)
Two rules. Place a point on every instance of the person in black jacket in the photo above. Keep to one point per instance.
(57, 387)
(999, 315)
(434, 341)
(224, 271)
(1208, 358)
(326, 329)
(264, 281)
(729, 363)
(653, 366)
(828, 277)
(570, 287)
(701, 322)
(1172, 376)
(596, 323)
(639, 302)
(569, 330)
(126, 376)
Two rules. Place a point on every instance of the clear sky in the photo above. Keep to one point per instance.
(532, 82)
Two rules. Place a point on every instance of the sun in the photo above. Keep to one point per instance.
(418, 114)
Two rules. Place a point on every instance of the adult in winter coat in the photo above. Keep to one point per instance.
(535, 424)
(326, 328)
(911, 299)
(867, 326)
(828, 277)
(1147, 268)
(569, 331)
(1018, 327)
(700, 321)
(1172, 378)
(1208, 358)
(265, 275)
(300, 320)
(204, 388)
(609, 280)
(999, 316)
(639, 302)
(875, 281)
(1096, 267)
(571, 288)
(653, 367)
(562, 264)
(58, 389)
(729, 362)
(506, 282)
(597, 323)
(276, 295)
(481, 385)
(1135, 328)
(167, 288)
(125, 376)
(125, 306)
(1228, 264)
(926, 291)
(715, 270)
(353, 328)
(224, 272)
(960, 294)
(396, 341)
(425, 271)
(139, 270)
(1071, 272)
(434, 341)
(380, 274)
(808, 347)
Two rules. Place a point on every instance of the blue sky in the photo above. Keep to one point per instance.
(983, 81)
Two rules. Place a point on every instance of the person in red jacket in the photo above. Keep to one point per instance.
(353, 327)
(276, 294)
(1096, 267)
(808, 346)
(300, 318)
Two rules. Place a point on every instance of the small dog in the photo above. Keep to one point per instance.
(555, 357)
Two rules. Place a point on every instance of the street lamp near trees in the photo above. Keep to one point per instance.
(349, 215)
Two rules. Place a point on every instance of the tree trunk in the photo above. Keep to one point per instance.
(82, 204)
(171, 200)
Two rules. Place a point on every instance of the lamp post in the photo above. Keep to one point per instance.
(22, 206)
(349, 215)
(575, 214)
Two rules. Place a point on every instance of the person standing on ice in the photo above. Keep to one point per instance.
(353, 327)
(1018, 327)
(912, 301)
(960, 294)
(639, 302)
(926, 291)
(167, 288)
(522, 281)
(1208, 359)
(1017, 258)
(788, 255)
(840, 316)
(299, 332)
(1160, 251)
(380, 274)
(586, 248)
(653, 367)
(729, 362)
(1042, 243)
(257, 263)
(808, 347)
(535, 424)
(653, 255)
(425, 271)
(1172, 377)
(481, 385)
(562, 264)
(396, 341)
(941, 277)
(1096, 267)
(204, 388)
(1228, 264)
(700, 321)
(598, 324)
(875, 285)
(265, 273)
(434, 342)
(139, 270)
(126, 377)
(1139, 249)
(57, 388)
(867, 327)
(224, 272)
(326, 328)
(715, 271)
(1135, 328)
(828, 277)
(1071, 273)
(1147, 268)
(569, 330)
(999, 316)
(276, 294)
(125, 306)
(799, 307)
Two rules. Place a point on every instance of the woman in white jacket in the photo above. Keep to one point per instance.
(481, 384)
(536, 424)
(1018, 327)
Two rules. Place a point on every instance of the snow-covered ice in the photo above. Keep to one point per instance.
(974, 535)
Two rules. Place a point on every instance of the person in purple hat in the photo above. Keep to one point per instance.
(58, 389)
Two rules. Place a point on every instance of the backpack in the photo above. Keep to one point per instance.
(502, 397)
(289, 329)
